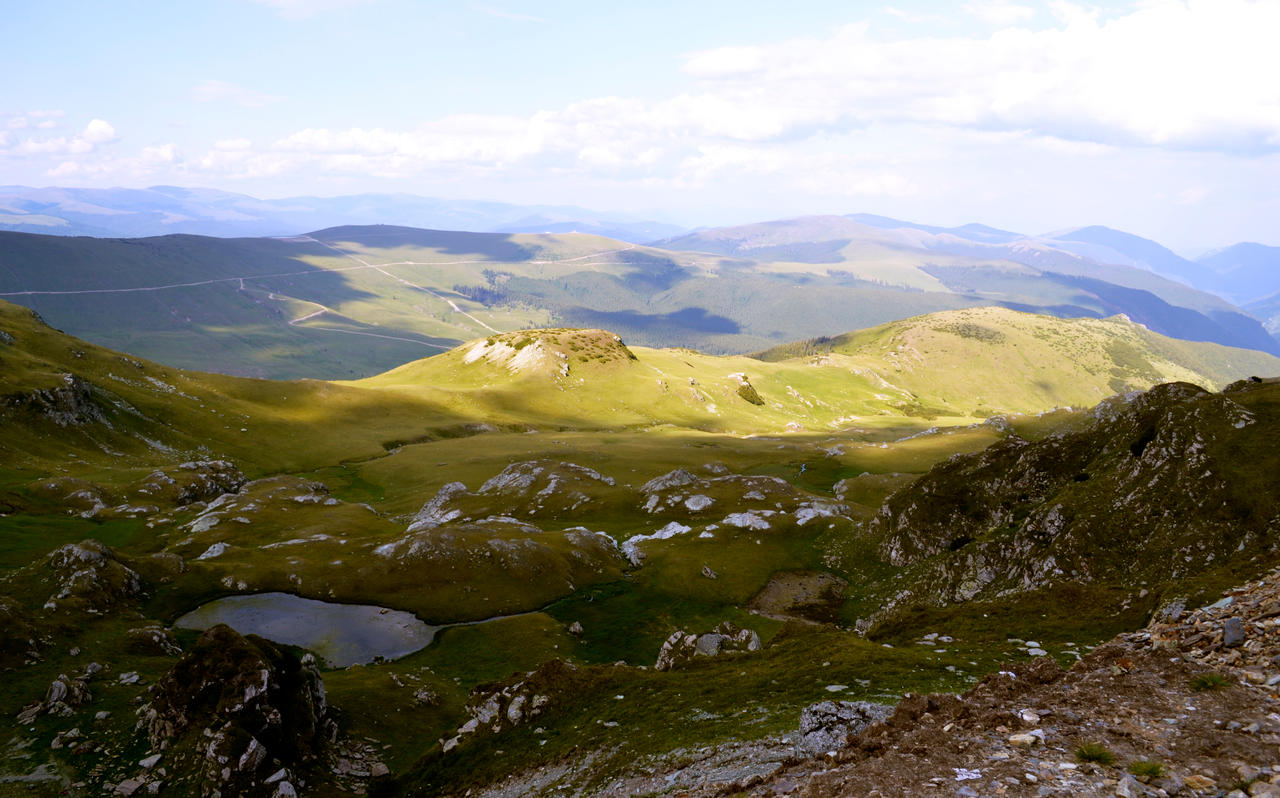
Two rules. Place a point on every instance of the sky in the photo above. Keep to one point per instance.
(1158, 117)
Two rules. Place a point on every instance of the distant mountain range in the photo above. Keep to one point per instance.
(1244, 273)
(350, 301)
(161, 210)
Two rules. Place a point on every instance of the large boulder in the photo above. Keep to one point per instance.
(826, 726)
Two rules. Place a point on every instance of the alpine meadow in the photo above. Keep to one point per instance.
(547, 399)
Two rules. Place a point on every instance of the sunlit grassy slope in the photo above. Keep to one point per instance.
(960, 365)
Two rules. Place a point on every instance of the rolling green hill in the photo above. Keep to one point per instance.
(348, 302)
(957, 365)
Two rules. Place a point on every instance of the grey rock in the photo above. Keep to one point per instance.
(1171, 783)
(1129, 788)
(1232, 632)
(826, 725)
(709, 644)
(129, 786)
(253, 756)
(284, 790)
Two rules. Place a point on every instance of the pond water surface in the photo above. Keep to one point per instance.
(340, 634)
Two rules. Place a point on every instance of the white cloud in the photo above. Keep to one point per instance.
(1195, 75)
(212, 91)
(1200, 74)
(40, 119)
(158, 155)
(64, 169)
(96, 133)
(1002, 13)
(304, 9)
(1191, 196)
(1188, 85)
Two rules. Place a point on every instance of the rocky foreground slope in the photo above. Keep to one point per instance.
(1186, 706)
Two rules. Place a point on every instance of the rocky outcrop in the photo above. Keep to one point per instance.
(814, 596)
(537, 488)
(827, 725)
(73, 403)
(681, 648)
(88, 577)
(234, 711)
(194, 481)
(64, 696)
(1159, 486)
(494, 707)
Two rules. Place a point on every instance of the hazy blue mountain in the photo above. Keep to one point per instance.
(973, 232)
(163, 210)
(1244, 272)
(1036, 274)
(1106, 245)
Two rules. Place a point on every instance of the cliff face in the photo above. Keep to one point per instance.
(1159, 486)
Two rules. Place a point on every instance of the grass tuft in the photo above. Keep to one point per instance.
(1209, 681)
(1094, 752)
(1146, 769)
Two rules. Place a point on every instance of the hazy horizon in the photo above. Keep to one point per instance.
(1160, 118)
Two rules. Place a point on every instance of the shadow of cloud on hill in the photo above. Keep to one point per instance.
(690, 320)
(1145, 308)
(498, 247)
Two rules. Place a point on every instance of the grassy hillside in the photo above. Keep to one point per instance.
(998, 360)
(558, 495)
(348, 302)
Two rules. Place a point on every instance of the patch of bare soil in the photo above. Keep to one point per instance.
(814, 596)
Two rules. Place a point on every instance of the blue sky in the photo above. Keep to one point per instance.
(1161, 117)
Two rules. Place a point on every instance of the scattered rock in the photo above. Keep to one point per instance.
(727, 638)
(129, 786)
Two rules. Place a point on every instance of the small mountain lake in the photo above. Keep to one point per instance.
(340, 634)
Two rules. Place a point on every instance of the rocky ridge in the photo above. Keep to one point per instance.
(1150, 491)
